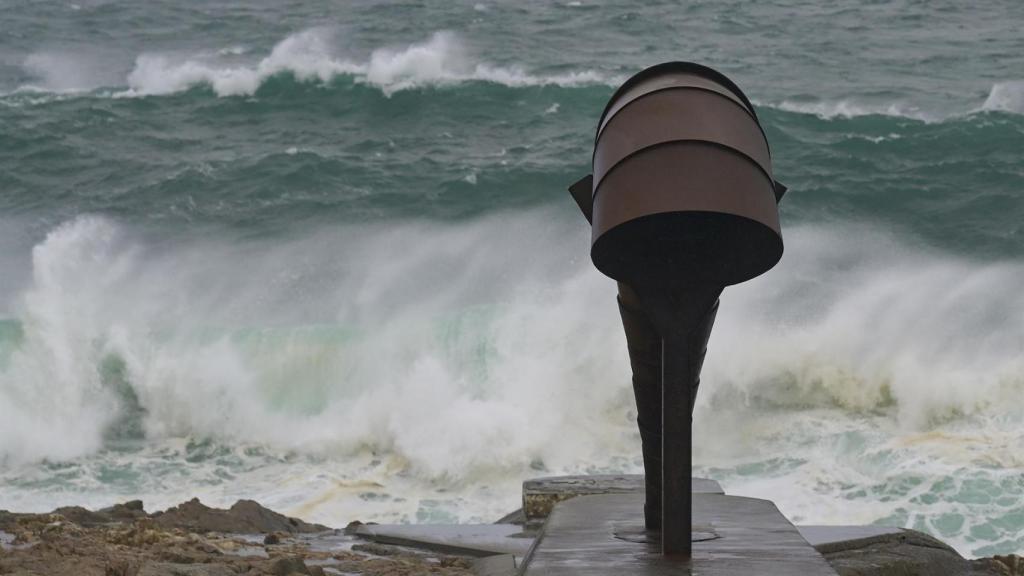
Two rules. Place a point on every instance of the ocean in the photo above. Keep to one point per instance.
(321, 254)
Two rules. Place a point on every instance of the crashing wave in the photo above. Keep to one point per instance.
(309, 56)
(1006, 97)
(829, 110)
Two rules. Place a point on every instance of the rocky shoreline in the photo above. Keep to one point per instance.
(192, 539)
(195, 540)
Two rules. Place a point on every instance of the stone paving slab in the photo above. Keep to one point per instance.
(753, 537)
(471, 539)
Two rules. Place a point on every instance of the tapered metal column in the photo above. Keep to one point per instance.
(682, 315)
(676, 445)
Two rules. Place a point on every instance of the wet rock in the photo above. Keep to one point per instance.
(910, 553)
(122, 567)
(288, 566)
(81, 516)
(376, 549)
(244, 517)
(271, 539)
(1010, 565)
(160, 569)
(127, 511)
(123, 541)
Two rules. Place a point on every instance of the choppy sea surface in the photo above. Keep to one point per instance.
(320, 254)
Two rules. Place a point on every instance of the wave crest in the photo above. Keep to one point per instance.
(829, 110)
(308, 56)
(1006, 97)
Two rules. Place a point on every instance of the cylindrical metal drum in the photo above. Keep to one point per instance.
(683, 180)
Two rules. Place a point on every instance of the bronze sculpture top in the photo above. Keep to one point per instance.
(682, 181)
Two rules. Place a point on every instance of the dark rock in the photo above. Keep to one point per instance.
(288, 566)
(376, 549)
(271, 539)
(1010, 565)
(125, 512)
(908, 553)
(161, 569)
(352, 527)
(7, 519)
(244, 517)
(122, 568)
(81, 516)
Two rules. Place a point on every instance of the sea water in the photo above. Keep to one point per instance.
(320, 254)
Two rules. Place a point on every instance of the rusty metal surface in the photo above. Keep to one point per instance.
(670, 69)
(676, 116)
(668, 81)
(682, 177)
(664, 208)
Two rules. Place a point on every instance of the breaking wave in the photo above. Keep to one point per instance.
(1006, 97)
(851, 109)
(405, 349)
(409, 339)
(1002, 97)
(309, 56)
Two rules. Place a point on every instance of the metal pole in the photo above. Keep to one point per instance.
(682, 313)
(676, 436)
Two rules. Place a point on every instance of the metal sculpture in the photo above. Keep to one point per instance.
(682, 203)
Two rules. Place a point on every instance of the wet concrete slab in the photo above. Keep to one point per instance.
(584, 535)
(469, 539)
(541, 494)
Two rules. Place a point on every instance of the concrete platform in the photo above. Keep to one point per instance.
(589, 535)
(541, 494)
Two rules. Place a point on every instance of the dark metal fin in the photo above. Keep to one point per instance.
(780, 191)
(583, 193)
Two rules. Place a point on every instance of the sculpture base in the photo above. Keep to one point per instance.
(640, 535)
(591, 535)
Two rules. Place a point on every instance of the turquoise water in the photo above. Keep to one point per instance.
(320, 254)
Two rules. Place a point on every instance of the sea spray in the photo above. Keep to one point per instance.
(440, 60)
(421, 348)
(426, 355)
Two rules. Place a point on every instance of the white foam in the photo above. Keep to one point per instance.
(861, 326)
(862, 364)
(1006, 97)
(829, 110)
(865, 322)
(475, 354)
(309, 56)
(179, 325)
(52, 404)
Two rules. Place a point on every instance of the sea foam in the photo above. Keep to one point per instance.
(442, 59)
(420, 354)
(829, 110)
(410, 338)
